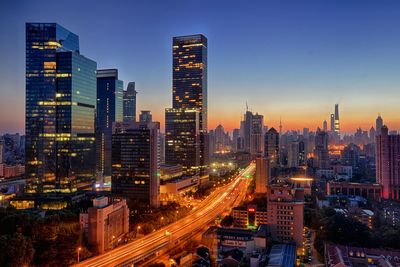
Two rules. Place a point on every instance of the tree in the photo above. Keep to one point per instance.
(227, 221)
(16, 250)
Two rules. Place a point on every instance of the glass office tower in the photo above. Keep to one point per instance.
(60, 104)
(136, 163)
(109, 110)
(189, 84)
(130, 103)
(182, 139)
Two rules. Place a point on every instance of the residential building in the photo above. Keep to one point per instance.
(285, 214)
(388, 164)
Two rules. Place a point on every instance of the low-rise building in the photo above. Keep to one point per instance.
(346, 256)
(367, 190)
(105, 224)
(249, 217)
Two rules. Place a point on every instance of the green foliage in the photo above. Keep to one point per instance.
(51, 240)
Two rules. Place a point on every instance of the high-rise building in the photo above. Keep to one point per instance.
(145, 116)
(388, 164)
(379, 124)
(247, 122)
(189, 83)
(372, 134)
(321, 152)
(220, 144)
(337, 121)
(285, 213)
(1, 151)
(60, 111)
(271, 147)
(235, 138)
(256, 135)
(262, 175)
(325, 126)
(108, 111)
(136, 162)
(332, 123)
(182, 139)
(129, 106)
(293, 154)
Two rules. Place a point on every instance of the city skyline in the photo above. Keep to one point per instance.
(295, 70)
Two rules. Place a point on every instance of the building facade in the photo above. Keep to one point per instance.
(105, 224)
(109, 110)
(271, 147)
(262, 175)
(60, 109)
(189, 85)
(285, 214)
(388, 164)
(136, 163)
(182, 139)
(129, 106)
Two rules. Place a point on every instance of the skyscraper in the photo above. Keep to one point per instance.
(379, 124)
(136, 162)
(220, 143)
(337, 121)
(388, 164)
(321, 152)
(256, 135)
(182, 139)
(332, 123)
(189, 83)
(109, 110)
(325, 126)
(293, 154)
(145, 116)
(60, 109)
(262, 175)
(271, 147)
(1, 151)
(129, 106)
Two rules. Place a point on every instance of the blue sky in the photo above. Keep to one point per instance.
(294, 59)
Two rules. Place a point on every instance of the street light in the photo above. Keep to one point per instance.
(78, 252)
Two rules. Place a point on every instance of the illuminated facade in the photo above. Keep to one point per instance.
(60, 110)
(189, 83)
(262, 175)
(136, 162)
(388, 164)
(182, 139)
(337, 121)
(130, 103)
(109, 110)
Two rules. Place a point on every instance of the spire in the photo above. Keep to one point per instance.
(280, 124)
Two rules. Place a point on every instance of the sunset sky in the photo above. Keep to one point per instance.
(290, 59)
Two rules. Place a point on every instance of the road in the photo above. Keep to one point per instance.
(222, 199)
